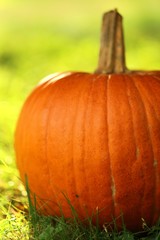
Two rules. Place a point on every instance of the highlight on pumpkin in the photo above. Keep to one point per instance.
(53, 77)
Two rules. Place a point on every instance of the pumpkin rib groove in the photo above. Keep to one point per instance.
(52, 96)
(109, 180)
(40, 201)
(147, 127)
(113, 186)
(35, 103)
(88, 187)
(129, 85)
(95, 147)
(128, 129)
(71, 186)
(155, 172)
(89, 97)
(74, 125)
(73, 162)
(107, 167)
(137, 116)
(82, 150)
(152, 99)
(153, 95)
(131, 110)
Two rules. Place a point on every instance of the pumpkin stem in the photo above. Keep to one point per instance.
(112, 51)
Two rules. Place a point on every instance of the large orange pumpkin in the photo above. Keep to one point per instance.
(93, 140)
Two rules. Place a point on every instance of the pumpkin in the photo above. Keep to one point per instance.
(92, 140)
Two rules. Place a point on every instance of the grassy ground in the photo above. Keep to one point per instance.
(38, 38)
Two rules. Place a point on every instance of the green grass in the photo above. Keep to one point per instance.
(28, 224)
(41, 37)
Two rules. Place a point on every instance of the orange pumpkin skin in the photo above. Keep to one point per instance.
(94, 138)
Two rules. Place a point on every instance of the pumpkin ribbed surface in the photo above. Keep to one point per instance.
(95, 140)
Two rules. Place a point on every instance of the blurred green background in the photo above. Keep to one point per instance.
(40, 37)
